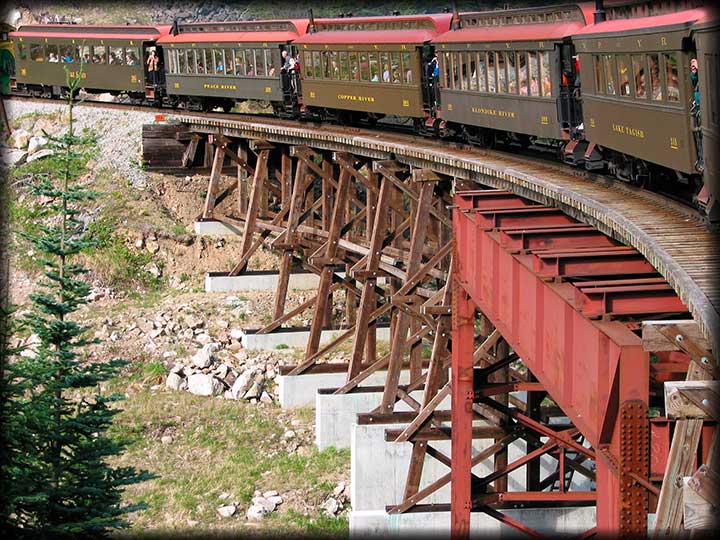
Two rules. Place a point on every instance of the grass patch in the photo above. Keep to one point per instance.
(223, 446)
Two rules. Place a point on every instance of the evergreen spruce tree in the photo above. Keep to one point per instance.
(56, 478)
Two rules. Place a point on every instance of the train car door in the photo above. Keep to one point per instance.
(568, 103)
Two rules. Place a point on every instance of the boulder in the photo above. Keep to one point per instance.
(242, 384)
(256, 512)
(254, 392)
(228, 510)
(10, 156)
(40, 154)
(36, 143)
(205, 356)
(331, 506)
(265, 503)
(20, 139)
(202, 384)
(175, 381)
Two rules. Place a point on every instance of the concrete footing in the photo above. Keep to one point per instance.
(216, 228)
(548, 521)
(258, 280)
(295, 337)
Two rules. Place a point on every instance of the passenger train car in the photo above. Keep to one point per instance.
(607, 86)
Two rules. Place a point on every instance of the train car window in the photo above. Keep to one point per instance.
(374, 72)
(482, 69)
(656, 86)
(364, 67)
(307, 65)
(534, 73)
(316, 64)
(260, 65)
(522, 73)
(36, 52)
(623, 63)
(671, 76)
(273, 62)
(51, 53)
(99, 54)
(199, 62)
(546, 85)
(229, 62)
(395, 67)
(638, 64)
(354, 66)
(446, 70)
(325, 58)
(132, 56)
(502, 74)
(117, 58)
(334, 65)
(239, 62)
(463, 65)
(250, 62)
(182, 61)
(68, 55)
(385, 66)
(218, 62)
(492, 74)
(170, 60)
(85, 54)
(22, 51)
(207, 61)
(512, 73)
(343, 60)
(597, 65)
(407, 67)
(609, 70)
(473, 71)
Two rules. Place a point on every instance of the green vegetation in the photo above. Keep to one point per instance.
(55, 476)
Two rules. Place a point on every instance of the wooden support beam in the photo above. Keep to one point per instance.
(214, 182)
(692, 399)
(188, 156)
(253, 205)
(700, 499)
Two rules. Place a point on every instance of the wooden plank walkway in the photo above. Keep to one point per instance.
(671, 236)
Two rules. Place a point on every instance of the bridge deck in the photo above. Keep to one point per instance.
(671, 236)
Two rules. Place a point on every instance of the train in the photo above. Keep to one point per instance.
(621, 87)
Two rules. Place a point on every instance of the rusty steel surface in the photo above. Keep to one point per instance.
(671, 237)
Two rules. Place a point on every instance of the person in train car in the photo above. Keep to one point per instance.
(152, 65)
(285, 59)
(53, 58)
(695, 80)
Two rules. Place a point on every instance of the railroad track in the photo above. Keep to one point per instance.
(672, 236)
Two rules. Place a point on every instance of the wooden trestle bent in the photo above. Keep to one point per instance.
(521, 302)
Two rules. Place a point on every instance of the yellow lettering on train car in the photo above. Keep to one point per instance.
(133, 78)
(268, 90)
(628, 130)
(304, 46)
(312, 94)
(663, 40)
(639, 42)
(541, 44)
(450, 107)
(592, 122)
(674, 143)
(406, 102)
(218, 86)
(177, 85)
(23, 71)
(350, 97)
(403, 47)
(493, 112)
(544, 120)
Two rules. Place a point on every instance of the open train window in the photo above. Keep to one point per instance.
(597, 68)
(482, 70)
(307, 64)
(99, 54)
(545, 82)
(384, 66)
(512, 73)
(260, 65)
(374, 75)
(671, 76)
(623, 64)
(117, 58)
(522, 67)
(229, 62)
(132, 56)
(462, 65)
(36, 52)
(446, 70)
(534, 73)
(656, 86)
(473, 72)
(51, 52)
(395, 68)
(343, 59)
(22, 51)
(502, 75)
(639, 66)
(609, 70)
(492, 75)
(218, 62)
(407, 67)
(317, 65)
(354, 67)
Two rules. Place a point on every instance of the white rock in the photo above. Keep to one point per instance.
(36, 143)
(174, 381)
(236, 334)
(262, 501)
(227, 510)
(205, 356)
(201, 384)
(152, 246)
(266, 398)
(331, 506)
(289, 434)
(153, 269)
(203, 338)
(169, 354)
(241, 384)
(275, 499)
(254, 392)
(269, 493)
(256, 512)
(40, 154)
(13, 156)
(339, 489)
(20, 138)
(166, 439)
(224, 495)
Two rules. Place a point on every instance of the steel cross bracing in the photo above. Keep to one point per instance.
(542, 305)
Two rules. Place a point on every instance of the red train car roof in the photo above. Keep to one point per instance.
(280, 31)
(680, 18)
(81, 31)
(373, 30)
(524, 24)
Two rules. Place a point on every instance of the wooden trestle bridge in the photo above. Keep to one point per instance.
(524, 277)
